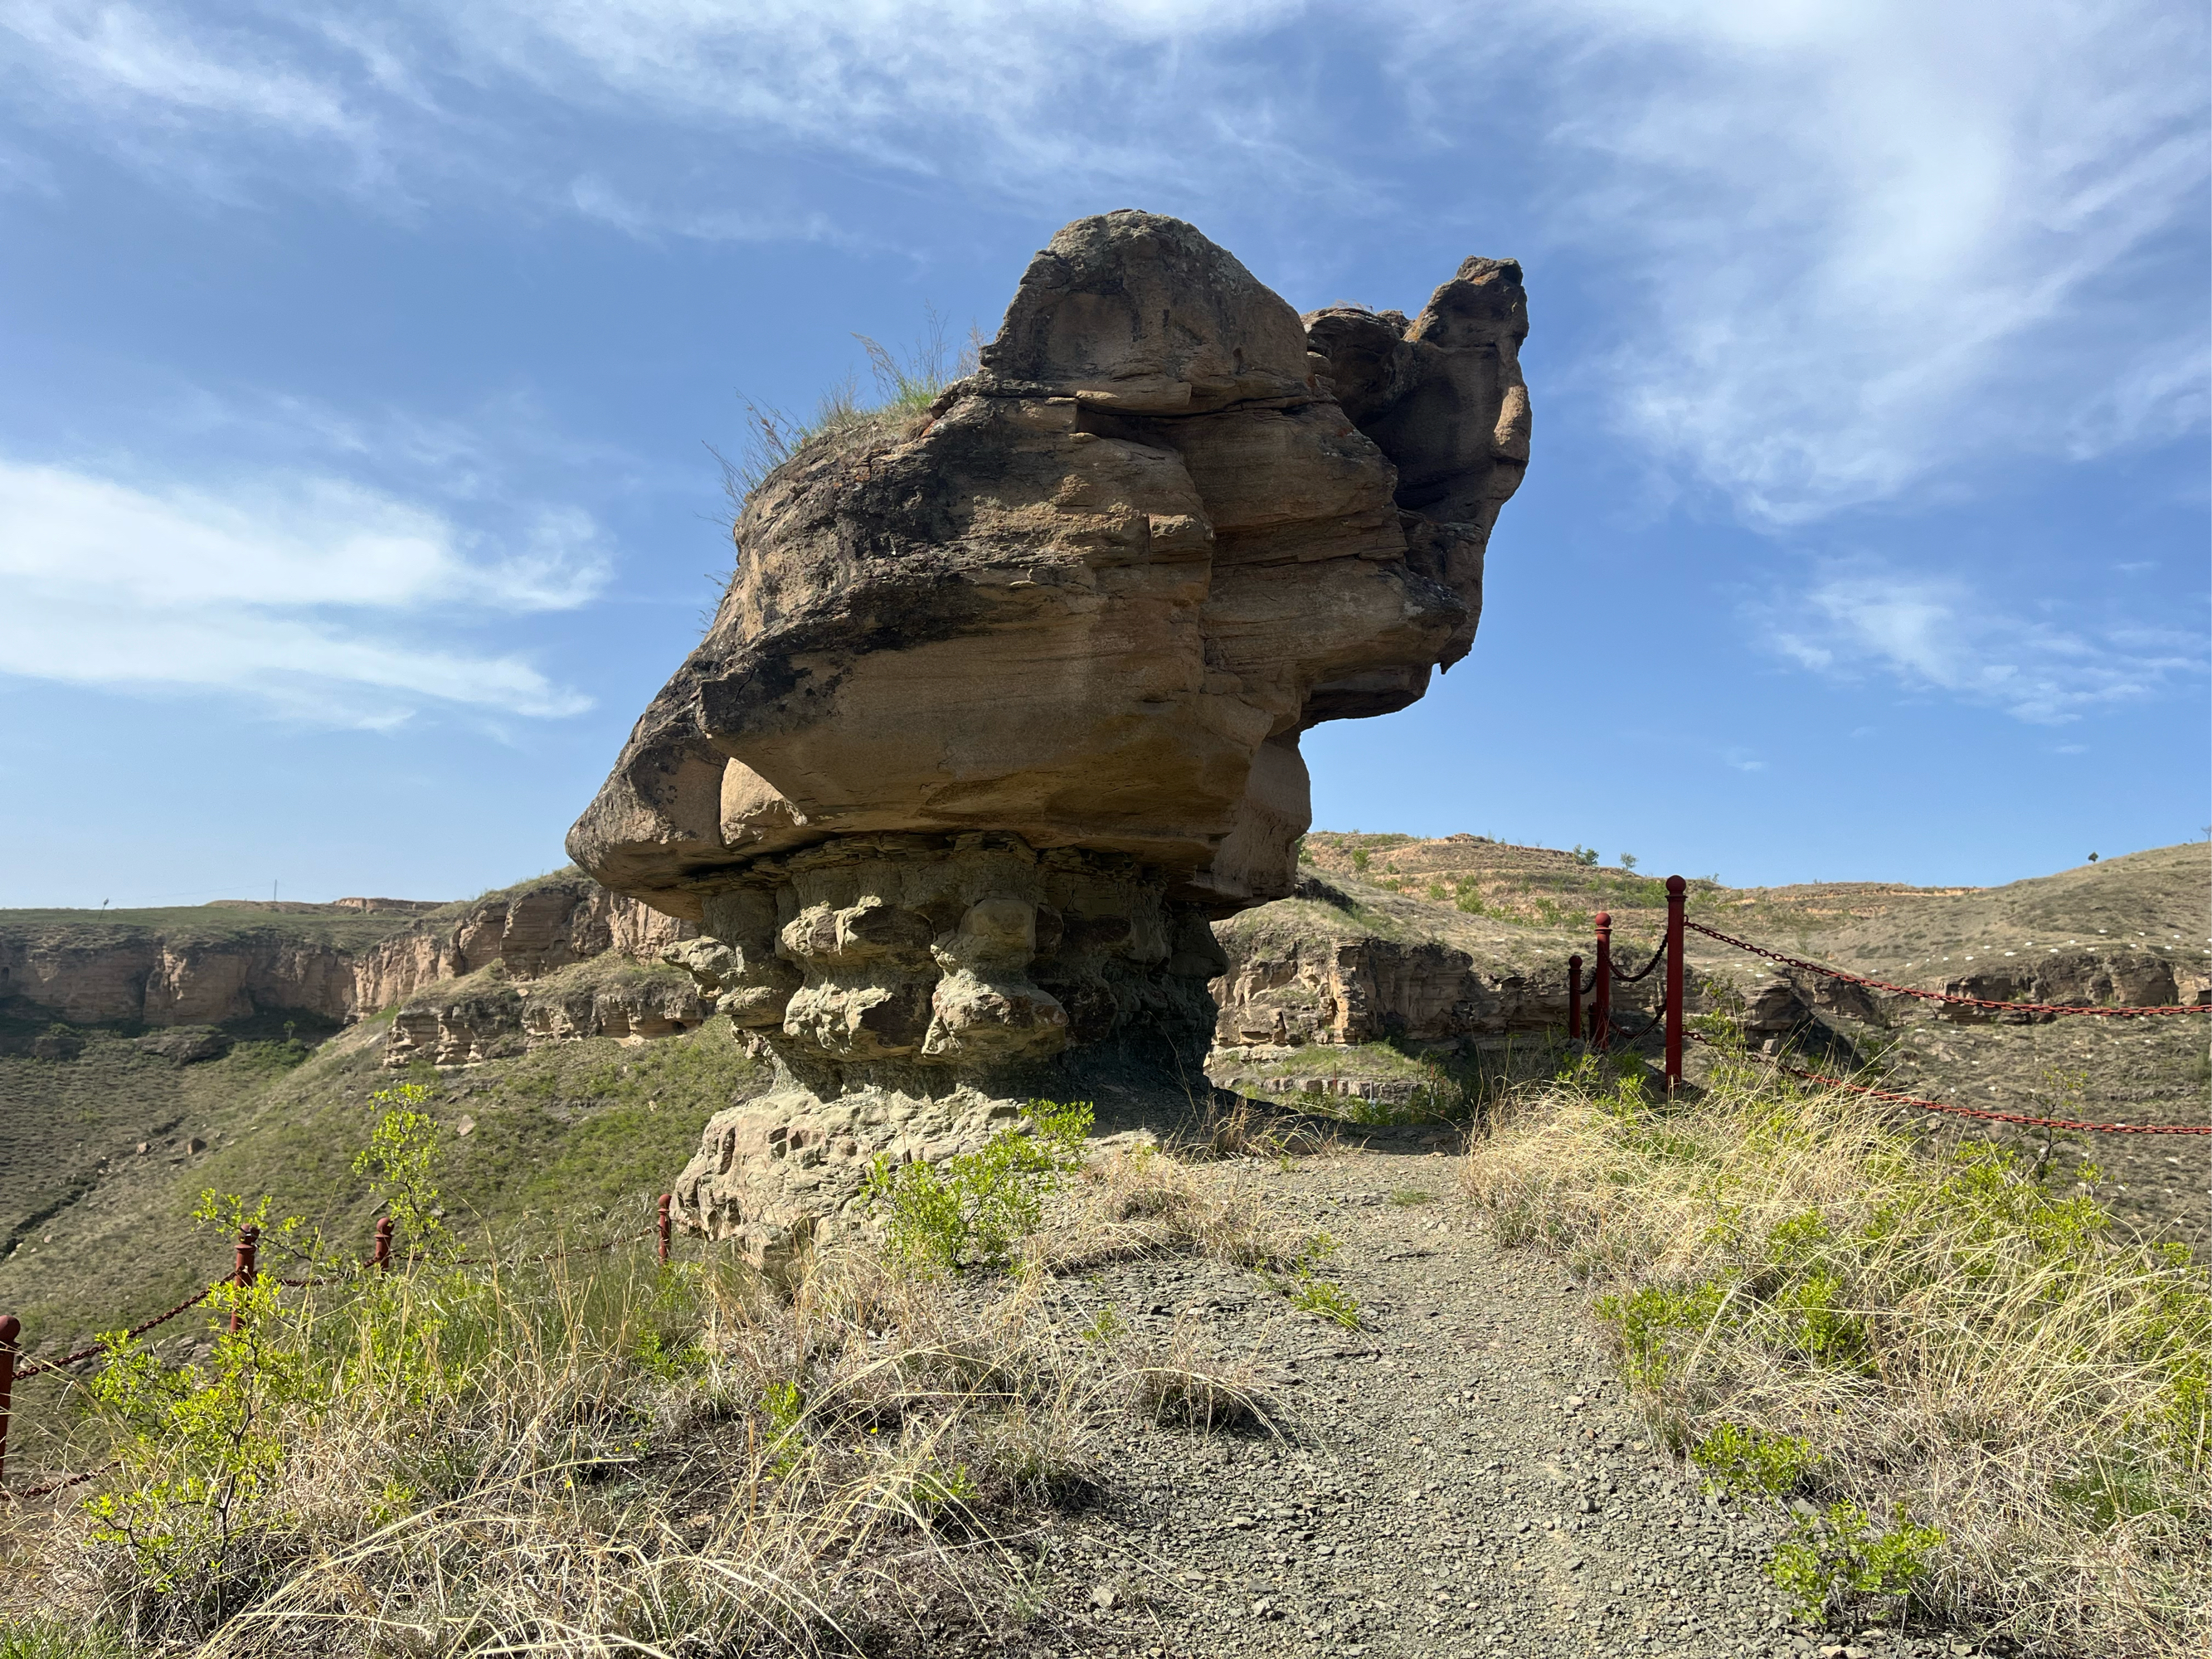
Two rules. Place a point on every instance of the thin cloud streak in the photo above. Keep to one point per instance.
(1850, 266)
(1937, 633)
(274, 590)
(1854, 245)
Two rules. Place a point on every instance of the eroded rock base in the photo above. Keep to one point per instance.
(915, 992)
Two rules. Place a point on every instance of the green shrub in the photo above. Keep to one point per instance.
(1834, 1558)
(1328, 1298)
(1310, 1293)
(203, 1441)
(974, 1209)
(401, 1163)
(1745, 1461)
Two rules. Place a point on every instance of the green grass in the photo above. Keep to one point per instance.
(1998, 1407)
(905, 385)
(571, 1139)
(601, 1453)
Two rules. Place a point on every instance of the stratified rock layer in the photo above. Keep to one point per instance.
(1004, 702)
(223, 962)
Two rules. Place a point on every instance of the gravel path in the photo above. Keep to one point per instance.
(1460, 1477)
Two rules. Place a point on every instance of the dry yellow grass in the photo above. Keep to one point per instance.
(602, 1457)
(1923, 1332)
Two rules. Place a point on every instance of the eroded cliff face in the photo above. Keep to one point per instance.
(1292, 987)
(1004, 704)
(92, 973)
(2080, 979)
(493, 1014)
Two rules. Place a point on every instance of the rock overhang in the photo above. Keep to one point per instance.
(1094, 596)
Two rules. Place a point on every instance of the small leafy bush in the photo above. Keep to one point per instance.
(1839, 1557)
(1745, 1461)
(973, 1210)
(203, 1441)
(1328, 1298)
(1310, 1293)
(401, 1163)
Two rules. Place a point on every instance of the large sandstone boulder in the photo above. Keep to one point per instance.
(1003, 703)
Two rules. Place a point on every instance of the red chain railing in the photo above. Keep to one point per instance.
(2090, 1009)
(1605, 972)
(1894, 1096)
(244, 1270)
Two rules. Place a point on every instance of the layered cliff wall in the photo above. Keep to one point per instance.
(339, 961)
(1313, 969)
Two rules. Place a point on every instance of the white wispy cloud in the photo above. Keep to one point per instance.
(187, 97)
(1851, 246)
(1004, 94)
(1861, 621)
(1858, 243)
(313, 594)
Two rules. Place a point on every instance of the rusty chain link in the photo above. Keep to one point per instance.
(1892, 1096)
(1657, 956)
(1940, 996)
(137, 1330)
(36, 1367)
(53, 1487)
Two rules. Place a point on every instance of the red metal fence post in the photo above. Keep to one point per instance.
(381, 1258)
(1574, 999)
(242, 1274)
(10, 1329)
(665, 1198)
(1677, 892)
(1601, 1000)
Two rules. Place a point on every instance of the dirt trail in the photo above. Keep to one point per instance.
(1460, 1477)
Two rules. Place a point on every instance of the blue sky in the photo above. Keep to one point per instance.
(358, 365)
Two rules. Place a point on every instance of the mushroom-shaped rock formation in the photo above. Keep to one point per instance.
(1003, 704)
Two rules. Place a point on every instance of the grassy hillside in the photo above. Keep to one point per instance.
(572, 1138)
(1516, 907)
(1535, 897)
(236, 922)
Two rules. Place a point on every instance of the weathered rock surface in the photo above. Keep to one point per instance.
(495, 1013)
(1286, 987)
(2079, 979)
(211, 966)
(998, 709)
(1094, 598)
(1002, 705)
(187, 1045)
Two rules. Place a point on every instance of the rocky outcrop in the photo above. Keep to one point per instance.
(187, 1045)
(228, 967)
(1291, 987)
(2078, 979)
(1094, 598)
(547, 926)
(494, 1014)
(1004, 703)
